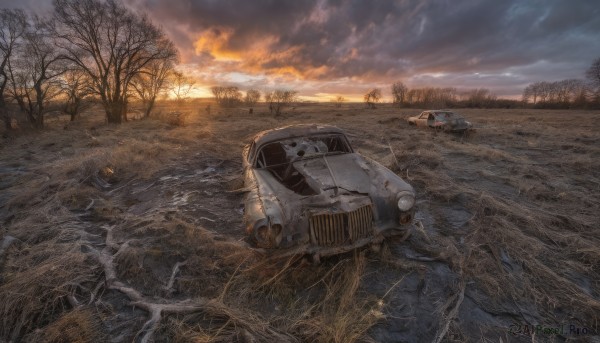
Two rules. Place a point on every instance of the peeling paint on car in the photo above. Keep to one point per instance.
(308, 192)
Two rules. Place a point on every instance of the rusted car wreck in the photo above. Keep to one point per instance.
(442, 120)
(308, 192)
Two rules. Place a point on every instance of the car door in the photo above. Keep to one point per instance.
(430, 119)
(422, 120)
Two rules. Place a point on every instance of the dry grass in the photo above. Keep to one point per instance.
(37, 283)
(175, 118)
(77, 326)
(322, 305)
(533, 223)
(509, 221)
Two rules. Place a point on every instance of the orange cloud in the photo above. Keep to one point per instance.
(214, 42)
(259, 56)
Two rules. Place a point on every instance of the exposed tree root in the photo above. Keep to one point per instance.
(156, 309)
(457, 300)
(169, 286)
(106, 259)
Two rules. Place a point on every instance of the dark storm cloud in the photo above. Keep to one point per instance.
(510, 40)
(397, 38)
(32, 6)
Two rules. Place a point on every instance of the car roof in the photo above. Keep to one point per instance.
(296, 130)
(442, 111)
(436, 112)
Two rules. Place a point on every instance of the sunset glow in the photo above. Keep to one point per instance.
(299, 170)
(323, 48)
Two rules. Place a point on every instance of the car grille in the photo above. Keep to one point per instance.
(341, 228)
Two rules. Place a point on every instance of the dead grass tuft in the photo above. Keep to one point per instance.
(175, 118)
(77, 326)
(342, 314)
(37, 283)
(331, 307)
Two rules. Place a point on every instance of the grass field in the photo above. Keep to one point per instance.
(133, 232)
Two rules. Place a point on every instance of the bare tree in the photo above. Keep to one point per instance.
(232, 96)
(269, 100)
(76, 90)
(34, 76)
(252, 97)
(528, 94)
(218, 92)
(372, 97)
(181, 86)
(13, 24)
(112, 44)
(228, 96)
(152, 80)
(480, 97)
(279, 99)
(399, 91)
(338, 100)
(543, 91)
(579, 92)
(593, 75)
(534, 92)
(557, 94)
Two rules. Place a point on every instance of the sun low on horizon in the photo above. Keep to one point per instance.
(299, 171)
(327, 48)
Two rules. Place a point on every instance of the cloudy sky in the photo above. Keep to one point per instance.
(328, 47)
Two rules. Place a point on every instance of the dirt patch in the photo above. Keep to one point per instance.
(131, 232)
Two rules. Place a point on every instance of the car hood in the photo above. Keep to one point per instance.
(350, 172)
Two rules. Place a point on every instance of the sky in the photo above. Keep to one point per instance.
(323, 48)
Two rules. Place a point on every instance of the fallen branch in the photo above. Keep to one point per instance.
(169, 285)
(95, 291)
(459, 297)
(156, 309)
(394, 155)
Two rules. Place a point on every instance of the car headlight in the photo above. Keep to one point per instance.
(406, 202)
(268, 237)
(262, 235)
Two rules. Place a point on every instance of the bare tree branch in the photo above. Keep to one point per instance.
(112, 45)
(372, 97)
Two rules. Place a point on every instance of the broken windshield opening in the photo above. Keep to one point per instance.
(291, 150)
(279, 157)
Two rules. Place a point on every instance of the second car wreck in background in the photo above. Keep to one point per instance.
(441, 120)
(310, 193)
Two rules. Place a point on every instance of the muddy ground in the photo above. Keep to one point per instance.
(134, 232)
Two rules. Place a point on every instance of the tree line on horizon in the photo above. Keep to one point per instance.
(231, 96)
(101, 52)
(447, 97)
(570, 93)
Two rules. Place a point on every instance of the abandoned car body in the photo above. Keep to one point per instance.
(308, 192)
(441, 120)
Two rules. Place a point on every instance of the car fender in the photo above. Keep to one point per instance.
(262, 205)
